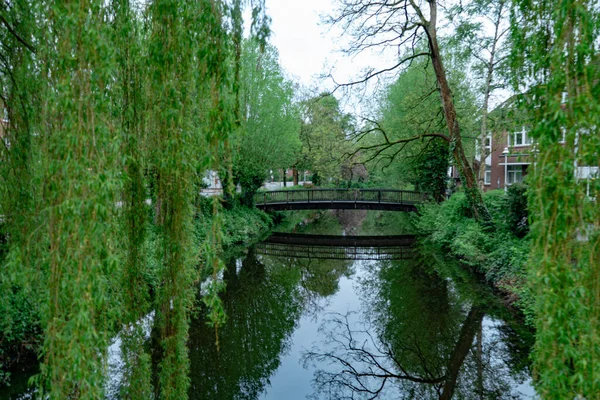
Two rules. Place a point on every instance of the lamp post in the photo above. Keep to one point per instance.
(505, 153)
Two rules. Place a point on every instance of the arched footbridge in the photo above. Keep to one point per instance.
(340, 199)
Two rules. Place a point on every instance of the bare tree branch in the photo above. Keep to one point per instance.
(377, 73)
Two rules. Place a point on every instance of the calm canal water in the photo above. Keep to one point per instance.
(314, 321)
(303, 326)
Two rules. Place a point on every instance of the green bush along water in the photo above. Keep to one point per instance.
(499, 251)
(20, 332)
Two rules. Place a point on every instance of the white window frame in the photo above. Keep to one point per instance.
(511, 175)
(487, 175)
(525, 140)
(487, 146)
(488, 142)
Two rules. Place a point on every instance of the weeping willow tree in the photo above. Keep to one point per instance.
(194, 114)
(78, 194)
(129, 105)
(106, 100)
(19, 105)
(171, 54)
(556, 50)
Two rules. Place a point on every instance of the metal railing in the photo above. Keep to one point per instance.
(376, 196)
(335, 253)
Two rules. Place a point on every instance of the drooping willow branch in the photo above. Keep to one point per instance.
(15, 34)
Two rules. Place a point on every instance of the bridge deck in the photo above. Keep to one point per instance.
(340, 241)
(346, 199)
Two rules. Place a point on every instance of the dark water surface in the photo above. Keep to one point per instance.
(355, 321)
(309, 322)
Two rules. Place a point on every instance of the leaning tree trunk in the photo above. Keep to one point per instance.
(465, 170)
(461, 350)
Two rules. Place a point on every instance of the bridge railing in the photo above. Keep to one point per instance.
(341, 195)
(336, 253)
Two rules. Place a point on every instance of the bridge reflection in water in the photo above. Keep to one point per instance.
(399, 247)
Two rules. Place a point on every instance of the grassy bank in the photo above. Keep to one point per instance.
(499, 252)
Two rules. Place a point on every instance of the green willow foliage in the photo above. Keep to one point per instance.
(171, 46)
(78, 194)
(129, 104)
(555, 45)
(20, 102)
(110, 103)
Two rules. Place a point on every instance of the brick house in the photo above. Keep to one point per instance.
(509, 150)
(509, 158)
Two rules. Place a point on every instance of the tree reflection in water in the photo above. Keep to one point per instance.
(262, 306)
(419, 336)
(263, 300)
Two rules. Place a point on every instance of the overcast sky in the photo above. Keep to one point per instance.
(308, 49)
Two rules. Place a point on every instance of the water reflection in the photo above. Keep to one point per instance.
(262, 306)
(419, 335)
(263, 300)
(335, 247)
(419, 328)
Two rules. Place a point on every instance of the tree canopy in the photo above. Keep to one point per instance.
(270, 126)
(324, 134)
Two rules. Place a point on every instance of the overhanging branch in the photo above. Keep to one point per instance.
(16, 35)
(379, 72)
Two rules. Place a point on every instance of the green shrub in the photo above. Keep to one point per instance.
(470, 244)
(440, 223)
(500, 253)
(517, 209)
(240, 224)
(495, 200)
(20, 331)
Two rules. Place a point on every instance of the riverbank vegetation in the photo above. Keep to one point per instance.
(499, 252)
(114, 111)
(22, 334)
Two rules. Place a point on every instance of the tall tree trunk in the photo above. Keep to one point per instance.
(465, 170)
(465, 341)
(488, 91)
(295, 175)
(484, 118)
